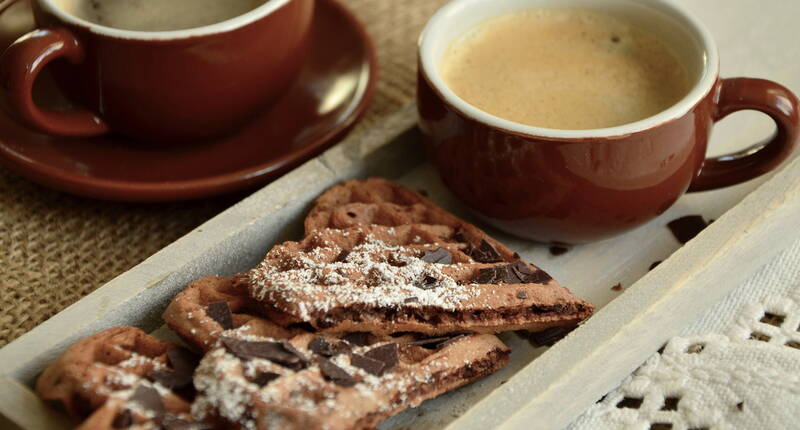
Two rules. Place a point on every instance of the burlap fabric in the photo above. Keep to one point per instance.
(56, 248)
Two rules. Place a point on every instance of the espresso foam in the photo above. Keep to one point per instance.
(157, 15)
(564, 69)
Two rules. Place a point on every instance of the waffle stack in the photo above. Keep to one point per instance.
(387, 301)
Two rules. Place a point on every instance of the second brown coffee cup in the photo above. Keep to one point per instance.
(173, 85)
(576, 186)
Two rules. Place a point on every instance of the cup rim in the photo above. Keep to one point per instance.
(237, 22)
(701, 88)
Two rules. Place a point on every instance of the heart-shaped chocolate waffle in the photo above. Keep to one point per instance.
(123, 378)
(411, 278)
(319, 382)
(378, 201)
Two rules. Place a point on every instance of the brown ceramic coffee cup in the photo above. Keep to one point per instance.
(576, 186)
(156, 85)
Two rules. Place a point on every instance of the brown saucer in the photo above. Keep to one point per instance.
(331, 93)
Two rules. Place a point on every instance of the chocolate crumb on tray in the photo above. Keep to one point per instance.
(686, 228)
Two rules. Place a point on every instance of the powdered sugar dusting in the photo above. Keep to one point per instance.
(372, 274)
(137, 360)
(226, 388)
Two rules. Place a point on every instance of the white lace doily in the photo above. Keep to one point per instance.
(736, 368)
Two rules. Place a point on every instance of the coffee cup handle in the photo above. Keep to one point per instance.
(773, 99)
(20, 65)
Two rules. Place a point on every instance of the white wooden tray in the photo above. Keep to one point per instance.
(540, 388)
(581, 368)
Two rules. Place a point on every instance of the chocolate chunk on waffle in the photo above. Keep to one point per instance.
(331, 383)
(378, 201)
(121, 378)
(211, 305)
(410, 278)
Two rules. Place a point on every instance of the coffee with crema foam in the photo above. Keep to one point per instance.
(157, 15)
(564, 69)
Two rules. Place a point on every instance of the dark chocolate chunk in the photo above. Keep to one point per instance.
(686, 228)
(326, 348)
(335, 374)
(169, 378)
(370, 365)
(490, 275)
(522, 295)
(149, 399)
(342, 256)
(525, 275)
(386, 354)
(272, 351)
(484, 253)
(521, 272)
(264, 378)
(321, 346)
(359, 338)
(221, 313)
(514, 273)
(494, 275)
(558, 250)
(617, 287)
(289, 347)
(427, 283)
(654, 265)
(440, 256)
(183, 363)
(540, 277)
(123, 420)
(549, 337)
